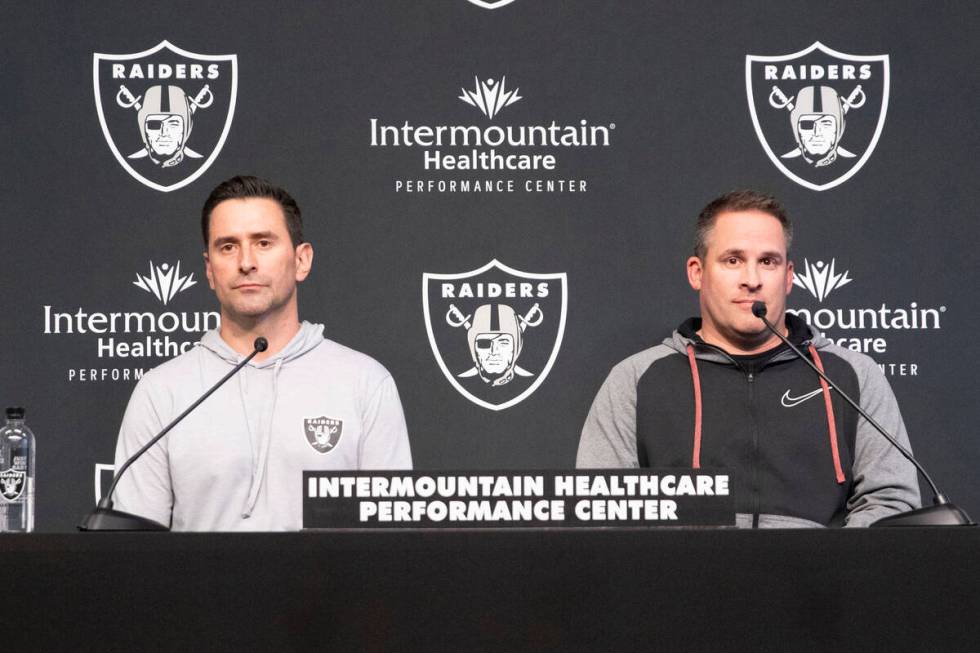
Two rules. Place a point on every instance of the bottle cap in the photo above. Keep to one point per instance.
(15, 412)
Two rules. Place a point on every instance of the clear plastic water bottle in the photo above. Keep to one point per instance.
(16, 474)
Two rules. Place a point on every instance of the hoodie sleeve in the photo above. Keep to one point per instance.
(609, 435)
(145, 490)
(885, 483)
(384, 444)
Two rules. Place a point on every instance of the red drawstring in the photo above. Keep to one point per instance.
(697, 408)
(831, 422)
(830, 416)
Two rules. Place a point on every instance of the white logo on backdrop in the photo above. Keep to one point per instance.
(489, 96)
(818, 112)
(871, 326)
(165, 112)
(495, 331)
(490, 4)
(103, 479)
(819, 278)
(165, 281)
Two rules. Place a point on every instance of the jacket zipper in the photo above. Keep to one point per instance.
(757, 491)
(750, 379)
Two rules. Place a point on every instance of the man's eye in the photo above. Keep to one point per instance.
(731, 260)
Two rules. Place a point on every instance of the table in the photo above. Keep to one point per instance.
(506, 590)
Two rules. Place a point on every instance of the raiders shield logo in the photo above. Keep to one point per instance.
(323, 433)
(818, 113)
(495, 331)
(12, 484)
(165, 112)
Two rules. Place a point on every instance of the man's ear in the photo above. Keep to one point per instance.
(207, 270)
(789, 277)
(304, 260)
(695, 267)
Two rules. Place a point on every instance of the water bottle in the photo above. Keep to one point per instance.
(16, 474)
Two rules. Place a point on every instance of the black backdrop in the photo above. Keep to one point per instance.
(311, 77)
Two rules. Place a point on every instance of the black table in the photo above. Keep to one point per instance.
(556, 590)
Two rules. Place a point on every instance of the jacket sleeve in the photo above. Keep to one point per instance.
(609, 435)
(145, 489)
(384, 443)
(885, 483)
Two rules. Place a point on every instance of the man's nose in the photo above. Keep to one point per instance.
(246, 260)
(751, 278)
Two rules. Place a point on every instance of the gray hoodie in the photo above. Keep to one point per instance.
(236, 462)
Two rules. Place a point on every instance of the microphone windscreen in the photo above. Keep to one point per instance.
(759, 309)
(261, 344)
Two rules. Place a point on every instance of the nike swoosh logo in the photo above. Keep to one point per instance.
(789, 401)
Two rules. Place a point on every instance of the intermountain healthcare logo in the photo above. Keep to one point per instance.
(323, 433)
(874, 330)
(490, 97)
(495, 331)
(485, 158)
(820, 279)
(818, 113)
(165, 112)
(159, 334)
(164, 281)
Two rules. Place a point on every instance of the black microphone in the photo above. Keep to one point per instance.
(104, 518)
(942, 512)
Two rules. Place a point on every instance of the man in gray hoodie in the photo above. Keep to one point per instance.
(723, 391)
(306, 403)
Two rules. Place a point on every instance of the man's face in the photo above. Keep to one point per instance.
(251, 263)
(745, 262)
(818, 133)
(164, 133)
(494, 352)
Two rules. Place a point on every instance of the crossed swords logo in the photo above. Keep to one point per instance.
(778, 100)
(456, 319)
(126, 100)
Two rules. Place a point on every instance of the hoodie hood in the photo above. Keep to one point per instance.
(308, 337)
(801, 334)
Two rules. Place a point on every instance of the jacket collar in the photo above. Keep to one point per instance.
(800, 334)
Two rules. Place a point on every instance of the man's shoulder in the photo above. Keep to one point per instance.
(175, 370)
(346, 360)
(632, 368)
(865, 367)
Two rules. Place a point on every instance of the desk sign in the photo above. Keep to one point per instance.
(548, 499)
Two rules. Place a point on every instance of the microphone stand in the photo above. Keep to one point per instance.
(942, 512)
(104, 517)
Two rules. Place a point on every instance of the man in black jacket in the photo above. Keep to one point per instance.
(723, 391)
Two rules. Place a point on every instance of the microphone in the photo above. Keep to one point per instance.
(942, 512)
(104, 517)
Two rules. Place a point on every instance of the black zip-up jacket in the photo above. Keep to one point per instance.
(764, 418)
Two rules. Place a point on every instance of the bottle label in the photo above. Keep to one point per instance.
(12, 484)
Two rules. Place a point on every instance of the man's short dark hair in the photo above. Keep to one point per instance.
(245, 187)
(739, 200)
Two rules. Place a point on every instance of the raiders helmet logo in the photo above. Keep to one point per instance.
(323, 433)
(495, 331)
(165, 112)
(818, 113)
